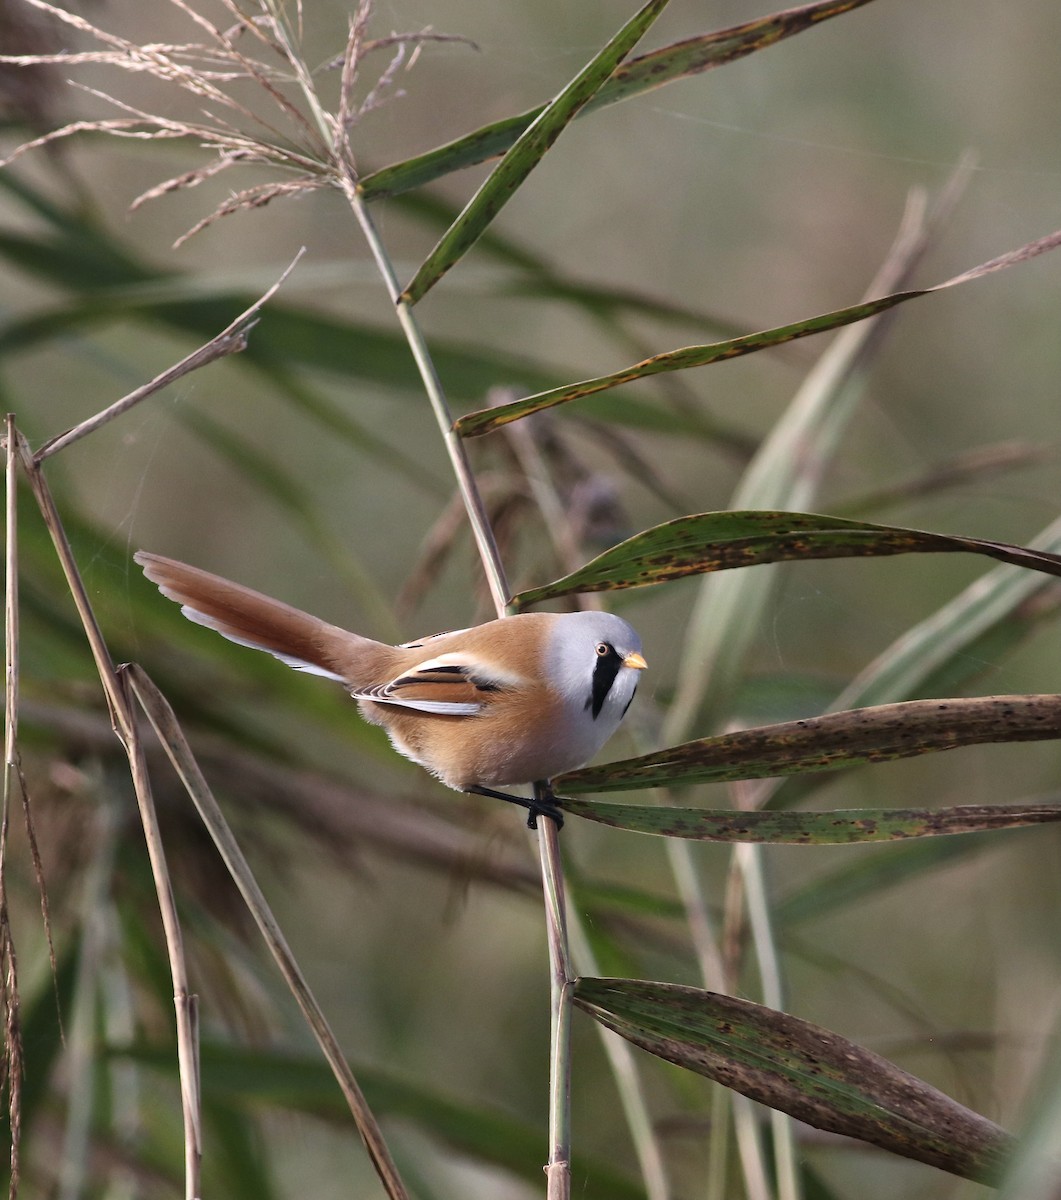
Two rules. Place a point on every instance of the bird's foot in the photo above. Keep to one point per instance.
(540, 806)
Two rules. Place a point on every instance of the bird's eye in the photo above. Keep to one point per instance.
(603, 649)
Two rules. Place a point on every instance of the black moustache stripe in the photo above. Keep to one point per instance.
(605, 670)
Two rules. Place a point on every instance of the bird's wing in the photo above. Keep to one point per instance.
(455, 685)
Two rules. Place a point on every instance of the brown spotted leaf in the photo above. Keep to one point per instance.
(487, 419)
(680, 60)
(808, 1072)
(830, 742)
(721, 541)
(841, 826)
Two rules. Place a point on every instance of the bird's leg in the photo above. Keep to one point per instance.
(542, 805)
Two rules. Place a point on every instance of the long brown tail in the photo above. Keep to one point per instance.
(252, 619)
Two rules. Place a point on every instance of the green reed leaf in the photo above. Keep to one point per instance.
(485, 420)
(831, 742)
(809, 1072)
(722, 541)
(643, 74)
(526, 152)
(811, 828)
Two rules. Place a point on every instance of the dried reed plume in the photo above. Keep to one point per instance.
(285, 125)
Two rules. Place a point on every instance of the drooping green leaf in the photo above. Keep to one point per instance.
(831, 742)
(526, 152)
(643, 74)
(485, 420)
(799, 1068)
(839, 827)
(488, 419)
(722, 541)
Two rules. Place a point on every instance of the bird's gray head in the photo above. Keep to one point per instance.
(595, 662)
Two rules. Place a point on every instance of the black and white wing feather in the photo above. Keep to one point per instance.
(452, 685)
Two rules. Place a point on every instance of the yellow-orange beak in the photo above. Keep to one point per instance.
(635, 661)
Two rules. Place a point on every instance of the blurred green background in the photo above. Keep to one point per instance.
(758, 194)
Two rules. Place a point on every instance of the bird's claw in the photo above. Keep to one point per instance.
(540, 806)
(544, 808)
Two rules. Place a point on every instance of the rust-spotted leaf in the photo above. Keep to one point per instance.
(831, 742)
(488, 419)
(721, 541)
(802, 1069)
(838, 827)
(681, 60)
